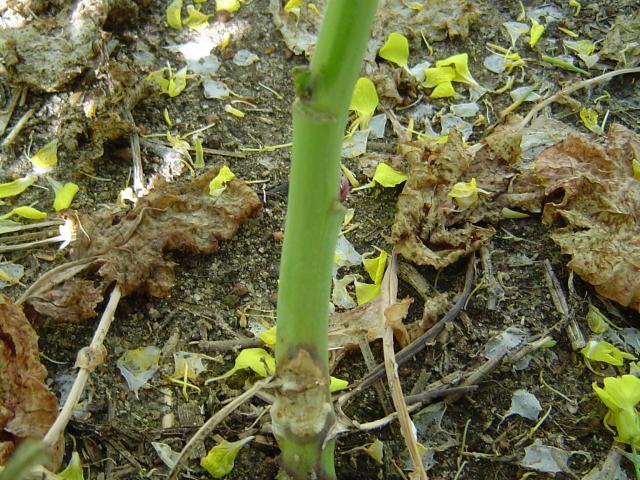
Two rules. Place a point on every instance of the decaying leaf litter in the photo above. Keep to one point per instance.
(215, 296)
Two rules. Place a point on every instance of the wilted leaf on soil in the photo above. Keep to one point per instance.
(128, 249)
(592, 188)
(621, 43)
(27, 407)
(430, 228)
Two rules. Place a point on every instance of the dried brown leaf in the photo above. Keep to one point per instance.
(592, 188)
(129, 250)
(27, 407)
(429, 227)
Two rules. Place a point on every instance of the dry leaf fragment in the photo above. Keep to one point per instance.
(27, 407)
(129, 249)
(593, 189)
(430, 228)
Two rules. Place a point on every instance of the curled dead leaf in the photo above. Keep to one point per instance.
(27, 407)
(129, 249)
(592, 188)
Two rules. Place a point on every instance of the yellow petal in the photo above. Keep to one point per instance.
(220, 459)
(589, 117)
(73, 470)
(465, 193)
(158, 77)
(434, 76)
(47, 157)
(219, 182)
(291, 5)
(365, 292)
(337, 384)
(173, 14)
(508, 213)
(364, 100)
(25, 212)
(443, 90)
(460, 63)
(268, 337)
(535, 33)
(196, 20)
(396, 49)
(177, 83)
(636, 169)
(375, 267)
(234, 111)
(64, 194)
(16, 187)
(601, 351)
(388, 176)
(231, 6)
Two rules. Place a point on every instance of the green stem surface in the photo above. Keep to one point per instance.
(312, 225)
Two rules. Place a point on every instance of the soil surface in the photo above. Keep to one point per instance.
(231, 294)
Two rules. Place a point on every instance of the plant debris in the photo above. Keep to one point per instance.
(27, 406)
(430, 228)
(129, 249)
(592, 188)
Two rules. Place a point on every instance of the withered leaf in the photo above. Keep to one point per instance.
(129, 250)
(27, 407)
(429, 228)
(592, 188)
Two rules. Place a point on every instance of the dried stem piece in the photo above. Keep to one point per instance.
(88, 359)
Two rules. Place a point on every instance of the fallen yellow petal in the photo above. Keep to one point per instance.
(219, 182)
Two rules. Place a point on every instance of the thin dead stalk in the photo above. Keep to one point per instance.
(88, 359)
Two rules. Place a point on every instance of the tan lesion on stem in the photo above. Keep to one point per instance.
(302, 408)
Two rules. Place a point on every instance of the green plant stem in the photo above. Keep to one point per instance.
(302, 413)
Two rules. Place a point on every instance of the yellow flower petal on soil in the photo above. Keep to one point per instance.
(219, 461)
(25, 212)
(508, 213)
(268, 337)
(16, 187)
(621, 395)
(596, 320)
(197, 145)
(376, 451)
(465, 193)
(366, 292)
(375, 267)
(196, 20)
(396, 49)
(73, 470)
(292, 5)
(157, 77)
(231, 6)
(177, 83)
(535, 33)
(257, 359)
(64, 194)
(589, 117)
(575, 4)
(636, 169)
(234, 111)
(337, 384)
(434, 76)
(364, 100)
(566, 31)
(388, 176)
(219, 182)
(173, 14)
(601, 351)
(460, 63)
(47, 157)
(444, 90)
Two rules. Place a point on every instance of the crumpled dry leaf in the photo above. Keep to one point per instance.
(592, 188)
(429, 227)
(129, 249)
(27, 407)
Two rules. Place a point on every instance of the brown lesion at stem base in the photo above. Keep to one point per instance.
(302, 413)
